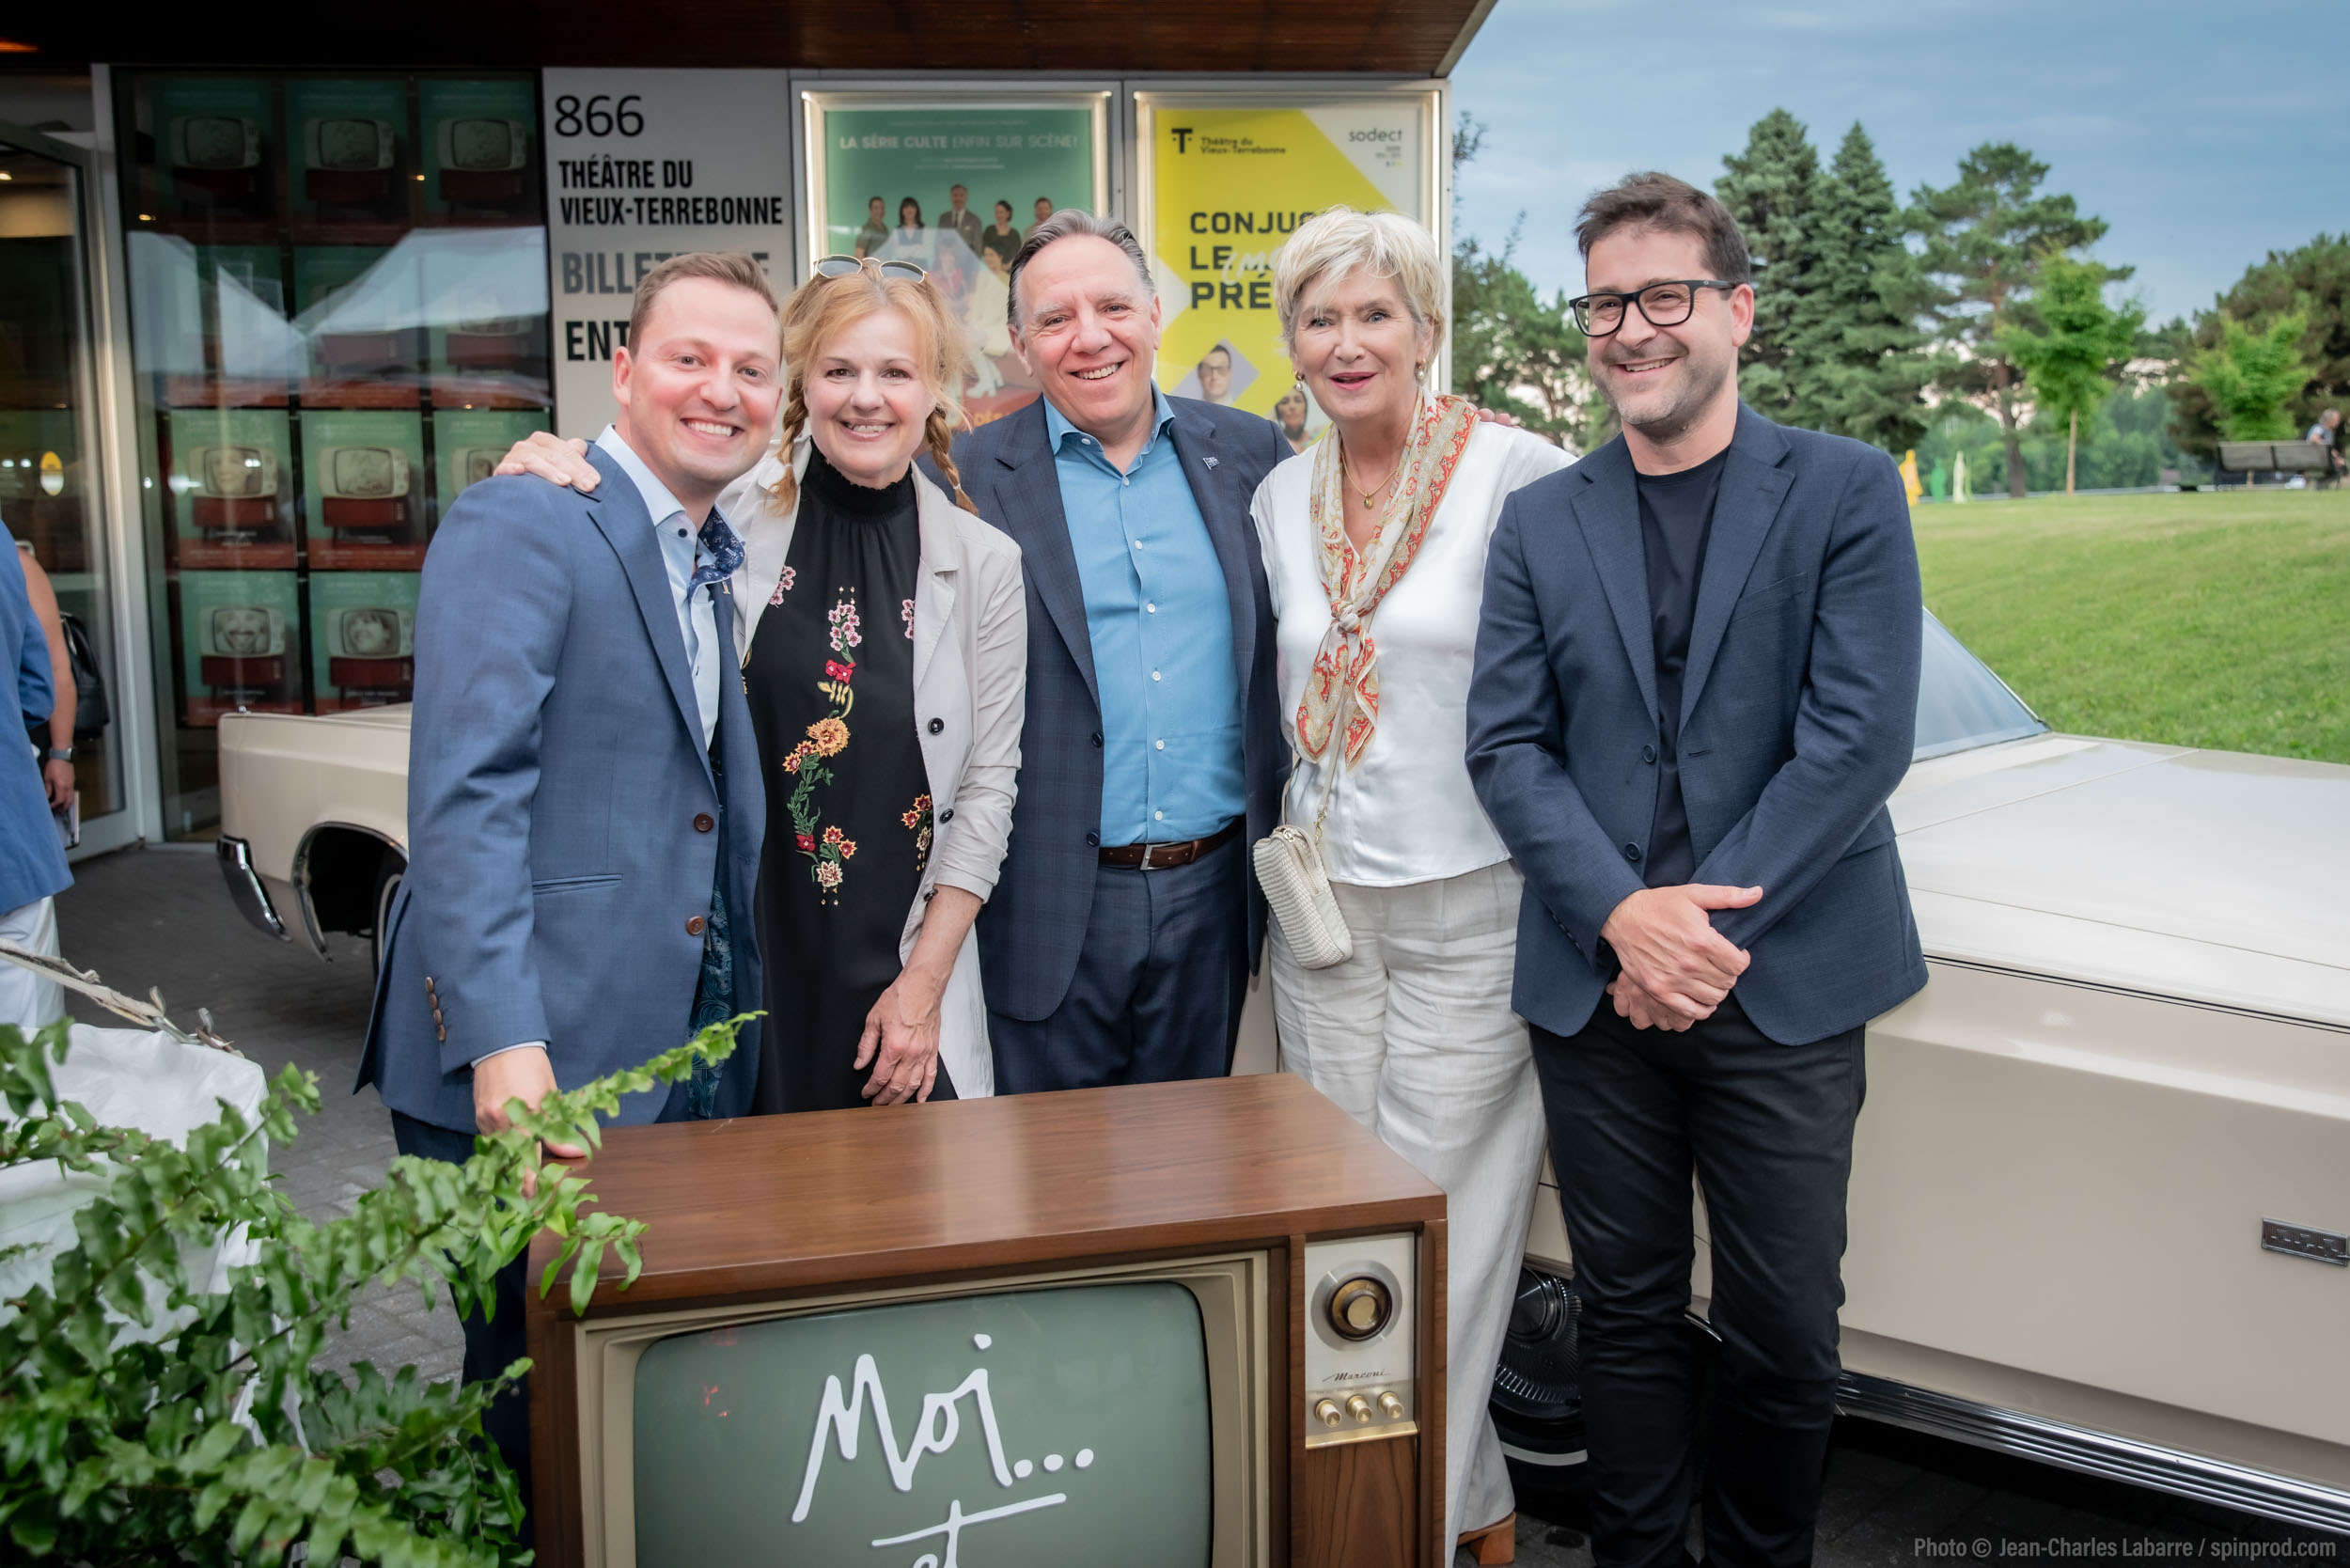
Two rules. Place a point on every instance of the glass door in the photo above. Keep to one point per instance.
(53, 471)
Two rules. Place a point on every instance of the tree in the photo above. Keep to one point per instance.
(2069, 365)
(2250, 377)
(1771, 189)
(1986, 237)
(1512, 350)
(2313, 282)
(206, 1436)
(1864, 365)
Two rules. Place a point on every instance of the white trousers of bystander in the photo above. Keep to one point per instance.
(1414, 1037)
(27, 999)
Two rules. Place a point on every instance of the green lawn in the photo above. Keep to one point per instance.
(2213, 619)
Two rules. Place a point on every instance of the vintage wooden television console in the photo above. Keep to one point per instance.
(1193, 1324)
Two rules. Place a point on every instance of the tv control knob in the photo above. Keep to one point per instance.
(1358, 1407)
(1327, 1412)
(1360, 1308)
(1390, 1407)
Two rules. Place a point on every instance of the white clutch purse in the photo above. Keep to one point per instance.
(1289, 869)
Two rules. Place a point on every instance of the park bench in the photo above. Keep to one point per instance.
(2276, 457)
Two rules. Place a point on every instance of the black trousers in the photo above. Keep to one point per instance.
(496, 1342)
(1767, 1131)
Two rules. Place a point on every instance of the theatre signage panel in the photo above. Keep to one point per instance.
(1225, 179)
(642, 164)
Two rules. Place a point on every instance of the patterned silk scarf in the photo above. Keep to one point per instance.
(1343, 685)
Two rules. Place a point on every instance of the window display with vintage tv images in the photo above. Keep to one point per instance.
(339, 302)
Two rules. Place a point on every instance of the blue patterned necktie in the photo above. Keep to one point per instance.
(721, 555)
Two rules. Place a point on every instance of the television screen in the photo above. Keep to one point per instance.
(365, 472)
(216, 142)
(476, 463)
(347, 145)
(1046, 1426)
(482, 145)
(370, 632)
(246, 632)
(233, 471)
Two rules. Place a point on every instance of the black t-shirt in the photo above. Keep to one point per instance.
(1676, 518)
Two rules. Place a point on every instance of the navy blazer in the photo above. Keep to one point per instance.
(1032, 928)
(1798, 712)
(556, 782)
(32, 862)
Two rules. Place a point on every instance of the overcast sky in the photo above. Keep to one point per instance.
(2205, 134)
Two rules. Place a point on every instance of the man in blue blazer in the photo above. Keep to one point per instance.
(1117, 943)
(585, 807)
(1696, 686)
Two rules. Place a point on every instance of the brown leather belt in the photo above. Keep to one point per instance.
(1158, 857)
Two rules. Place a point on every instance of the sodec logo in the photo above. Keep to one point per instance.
(1182, 137)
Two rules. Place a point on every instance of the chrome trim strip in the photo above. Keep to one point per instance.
(235, 858)
(2074, 982)
(2097, 1453)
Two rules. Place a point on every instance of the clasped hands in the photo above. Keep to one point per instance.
(1676, 967)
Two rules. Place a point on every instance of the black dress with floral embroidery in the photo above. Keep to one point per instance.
(830, 683)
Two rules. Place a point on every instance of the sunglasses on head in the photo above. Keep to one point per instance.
(848, 266)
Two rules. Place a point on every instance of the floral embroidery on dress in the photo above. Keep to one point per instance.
(783, 586)
(917, 818)
(828, 850)
(905, 613)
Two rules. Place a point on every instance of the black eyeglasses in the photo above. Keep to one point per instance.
(848, 266)
(1664, 304)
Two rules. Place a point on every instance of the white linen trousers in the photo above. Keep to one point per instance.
(1414, 1037)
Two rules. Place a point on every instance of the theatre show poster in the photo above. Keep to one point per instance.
(362, 478)
(955, 189)
(240, 644)
(1227, 185)
(363, 638)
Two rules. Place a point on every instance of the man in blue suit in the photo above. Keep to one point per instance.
(1118, 944)
(585, 807)
(1696, 686)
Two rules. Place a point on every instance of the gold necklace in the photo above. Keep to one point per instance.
(1393, 469)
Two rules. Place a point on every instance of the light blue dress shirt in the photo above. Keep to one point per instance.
(681, 549)
(1160, 620)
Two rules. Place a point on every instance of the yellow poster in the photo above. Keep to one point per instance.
(1229, 184)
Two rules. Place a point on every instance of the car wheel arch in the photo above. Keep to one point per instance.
(336, 874)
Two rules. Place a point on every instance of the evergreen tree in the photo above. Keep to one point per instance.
(1858, 361)
(2312, 282)
(2069, 365)
(1516, 352)
(1986, 236)
(1772, 190)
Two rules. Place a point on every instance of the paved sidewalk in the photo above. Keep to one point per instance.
(160, 919)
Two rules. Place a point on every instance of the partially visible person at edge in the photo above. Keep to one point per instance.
(584, 792)
(52, 736)
(32, 858)
(882, 643)
(2326, 433)
(1696, 684)
(1375, 549)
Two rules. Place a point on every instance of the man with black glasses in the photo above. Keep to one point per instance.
(1696, 686)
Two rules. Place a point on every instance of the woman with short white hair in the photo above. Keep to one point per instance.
(1374, 545)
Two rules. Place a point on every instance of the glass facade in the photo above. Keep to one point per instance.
(339, 320)
(52, 474)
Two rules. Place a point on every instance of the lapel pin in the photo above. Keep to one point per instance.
(1209, 461)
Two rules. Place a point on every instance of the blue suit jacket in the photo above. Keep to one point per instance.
(1032, 928)
(1798, 714)
(32, 863)
(555, 771)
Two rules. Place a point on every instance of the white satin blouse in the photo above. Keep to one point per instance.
(1404, 812)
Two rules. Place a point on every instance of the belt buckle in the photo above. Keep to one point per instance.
(1147, 850)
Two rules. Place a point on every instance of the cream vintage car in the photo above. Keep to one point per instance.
(2100, 1209)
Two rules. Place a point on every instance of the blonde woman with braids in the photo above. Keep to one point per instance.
(1375, 551)
(882, 633)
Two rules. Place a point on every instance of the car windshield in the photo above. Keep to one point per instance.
(1961, 704)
